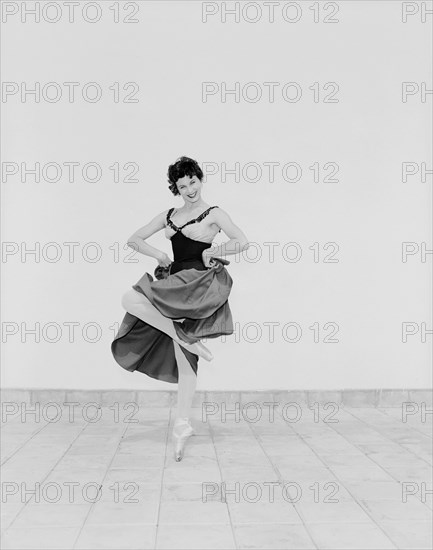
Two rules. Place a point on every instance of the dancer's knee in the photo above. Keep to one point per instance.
(129, 298)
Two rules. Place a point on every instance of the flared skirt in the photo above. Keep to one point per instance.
(196, 301)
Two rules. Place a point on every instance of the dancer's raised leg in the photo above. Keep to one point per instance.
(138, 304)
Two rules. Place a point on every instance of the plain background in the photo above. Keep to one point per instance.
(367, 294)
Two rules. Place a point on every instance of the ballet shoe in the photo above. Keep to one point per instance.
(182, 430)
(203, 351)
(198, 349)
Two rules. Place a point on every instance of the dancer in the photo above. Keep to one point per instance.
(166, 318)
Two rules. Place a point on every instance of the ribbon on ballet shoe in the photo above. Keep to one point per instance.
(182, 428)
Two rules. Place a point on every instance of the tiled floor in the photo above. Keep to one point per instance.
(334, 478)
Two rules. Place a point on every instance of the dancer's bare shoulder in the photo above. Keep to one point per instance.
(224, 221)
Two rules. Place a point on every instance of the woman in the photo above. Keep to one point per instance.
(165, 320)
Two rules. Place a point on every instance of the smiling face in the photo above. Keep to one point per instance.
(189, 188)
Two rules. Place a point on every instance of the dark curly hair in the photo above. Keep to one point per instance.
(184, 166)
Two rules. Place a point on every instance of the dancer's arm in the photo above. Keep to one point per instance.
(137, 239)
(238, 240)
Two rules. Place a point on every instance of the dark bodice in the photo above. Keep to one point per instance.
(187, 252)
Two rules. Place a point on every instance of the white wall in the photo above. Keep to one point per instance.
(368, 213)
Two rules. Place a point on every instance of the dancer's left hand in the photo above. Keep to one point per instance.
(207, 259)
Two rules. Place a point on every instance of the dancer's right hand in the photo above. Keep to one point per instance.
(164, 260)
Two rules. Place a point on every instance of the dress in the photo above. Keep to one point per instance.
(194, 296)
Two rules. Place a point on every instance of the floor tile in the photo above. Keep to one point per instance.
(275, 536)
(409, 535)
(263, 512)
(195, 537)
(392, 510)
(194, 512)
(52, 538)
(349, 536)
(113, 537)
(55, 514)
(332, 512)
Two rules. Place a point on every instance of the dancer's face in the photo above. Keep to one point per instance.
(189, 188)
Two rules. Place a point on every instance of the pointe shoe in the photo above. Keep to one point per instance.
(198, 349)
(181, 432)
(203, 351)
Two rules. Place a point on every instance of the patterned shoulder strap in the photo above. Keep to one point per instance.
(199, 218)
(202, 215)
(169, 222)
(169, 213)
(205, 213)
